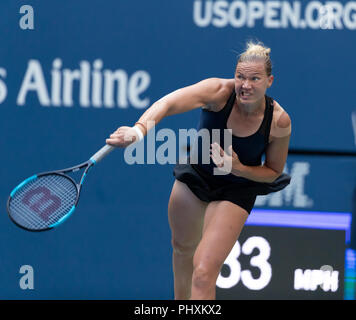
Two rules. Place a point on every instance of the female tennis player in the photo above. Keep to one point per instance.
(207, 211)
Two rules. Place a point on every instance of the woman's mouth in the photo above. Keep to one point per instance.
(245, 95)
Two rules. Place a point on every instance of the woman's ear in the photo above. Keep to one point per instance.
(270, 80)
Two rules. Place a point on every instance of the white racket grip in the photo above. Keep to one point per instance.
(103, 152)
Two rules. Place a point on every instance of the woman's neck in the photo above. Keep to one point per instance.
(251, 110)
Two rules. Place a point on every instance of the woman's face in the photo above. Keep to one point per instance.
(251, 82)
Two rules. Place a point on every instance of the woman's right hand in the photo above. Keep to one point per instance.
(123, 137)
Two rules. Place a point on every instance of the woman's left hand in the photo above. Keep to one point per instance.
(226, 161)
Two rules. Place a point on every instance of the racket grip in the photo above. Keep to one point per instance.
(103, 152)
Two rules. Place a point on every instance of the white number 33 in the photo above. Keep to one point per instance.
(260, 261)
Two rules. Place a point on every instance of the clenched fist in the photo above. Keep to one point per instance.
(123, 137)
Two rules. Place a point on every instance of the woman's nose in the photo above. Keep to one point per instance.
(246, 84)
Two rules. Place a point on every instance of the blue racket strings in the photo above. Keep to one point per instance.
(41, 202)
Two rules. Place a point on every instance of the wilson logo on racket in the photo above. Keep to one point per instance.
(46, 200)
(42, 201)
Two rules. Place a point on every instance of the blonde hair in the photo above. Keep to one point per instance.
(257, 51)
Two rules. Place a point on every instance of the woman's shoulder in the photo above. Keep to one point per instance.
(222, 82)
(223, 89)
(281, 121)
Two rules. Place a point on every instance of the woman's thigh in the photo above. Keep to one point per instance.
(223, 224)
(186, 216)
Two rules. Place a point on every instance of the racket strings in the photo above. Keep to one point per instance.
(43, 201)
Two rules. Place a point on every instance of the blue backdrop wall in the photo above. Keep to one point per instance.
(58, 105)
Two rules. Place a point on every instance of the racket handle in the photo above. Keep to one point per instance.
(103, 152)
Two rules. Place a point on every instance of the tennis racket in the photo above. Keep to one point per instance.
(45, 200)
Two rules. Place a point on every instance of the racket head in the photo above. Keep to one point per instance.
(43, 201)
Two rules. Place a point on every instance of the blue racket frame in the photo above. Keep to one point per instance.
(98, 156)
(88, 164)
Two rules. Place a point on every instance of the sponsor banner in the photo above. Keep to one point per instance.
(318, 183)
(90, 85)
(275, 14)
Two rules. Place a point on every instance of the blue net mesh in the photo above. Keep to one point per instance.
(43, 201)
